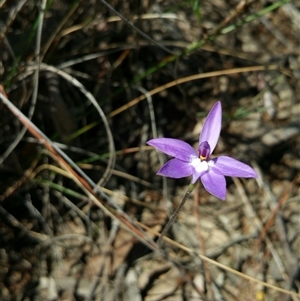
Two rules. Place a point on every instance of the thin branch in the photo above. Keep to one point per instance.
(135, 28)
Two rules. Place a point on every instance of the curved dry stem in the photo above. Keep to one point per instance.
(81, 179)
(191, 78)
(91, 98)
(35, 84)
(155, 135)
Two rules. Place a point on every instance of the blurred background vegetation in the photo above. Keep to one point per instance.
(100, 78)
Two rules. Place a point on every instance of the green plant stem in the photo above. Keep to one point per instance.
(175, 214)
(254, 16)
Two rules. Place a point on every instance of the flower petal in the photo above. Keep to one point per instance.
(214, 184)
(173, 147)
(176, 169)
(212, 126)
(228, 166)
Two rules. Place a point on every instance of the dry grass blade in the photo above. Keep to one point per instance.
(93, 101)
(191, 78)
(135, 28)
(80, 178)
(35, 78)
(11, 17)
(81, 207)
(223, 267)
(28, 174)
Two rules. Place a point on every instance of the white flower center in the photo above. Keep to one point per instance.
(201, 166)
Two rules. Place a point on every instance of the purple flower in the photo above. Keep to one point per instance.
(188, 162)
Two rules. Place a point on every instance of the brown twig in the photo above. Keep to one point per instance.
(80, 177)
